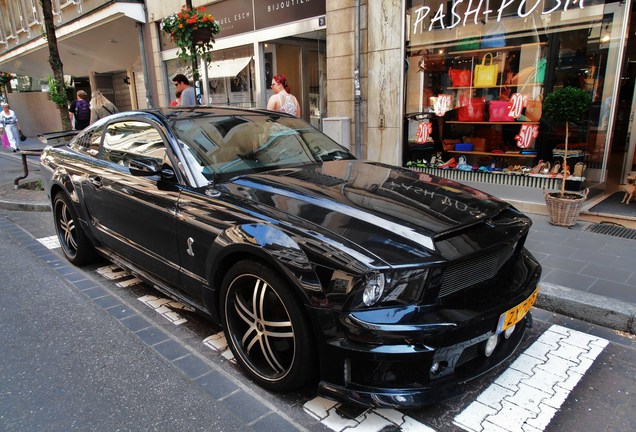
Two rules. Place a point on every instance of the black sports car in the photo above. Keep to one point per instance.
(387, 286)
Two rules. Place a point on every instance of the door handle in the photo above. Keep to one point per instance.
(95, 181)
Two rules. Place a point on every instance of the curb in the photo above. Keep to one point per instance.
(20, 206)
(588, 307)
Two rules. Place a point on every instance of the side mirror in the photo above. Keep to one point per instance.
(147, 167)
(144, 167)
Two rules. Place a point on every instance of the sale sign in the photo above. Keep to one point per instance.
(526, 134)
(424, 131)
(442, 104)
(519, 102)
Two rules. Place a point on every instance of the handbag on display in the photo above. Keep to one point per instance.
(534, 109)
(460, 77)
(495, 37)
(541, 65)
(486, 74)
(499, 111)
(531, 74)
(468, 38)
(471, 109)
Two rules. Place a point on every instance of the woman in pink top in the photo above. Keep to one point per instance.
(282, 100)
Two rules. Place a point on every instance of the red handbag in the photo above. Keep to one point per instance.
(471, 110)
(499, 111)
(460, 77)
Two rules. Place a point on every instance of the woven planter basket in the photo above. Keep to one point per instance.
(564, 211)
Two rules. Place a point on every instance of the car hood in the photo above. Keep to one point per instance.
(378, 207)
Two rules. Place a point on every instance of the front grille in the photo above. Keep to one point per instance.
(470, 353)
(473, 271)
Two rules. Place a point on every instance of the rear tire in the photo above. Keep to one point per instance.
(266, 328)
(75, 244)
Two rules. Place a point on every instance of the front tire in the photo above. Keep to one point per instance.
(265, 327)
(75, 244)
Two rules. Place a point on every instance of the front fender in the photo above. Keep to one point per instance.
(271, 245)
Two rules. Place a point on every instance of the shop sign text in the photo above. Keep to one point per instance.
(476, 10)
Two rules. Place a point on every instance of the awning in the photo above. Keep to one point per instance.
(227, 68)
(102, 41)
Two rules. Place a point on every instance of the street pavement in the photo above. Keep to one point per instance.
(586, 275)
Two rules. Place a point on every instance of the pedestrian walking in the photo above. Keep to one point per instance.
(80, 110)
(11, 126)
(282, 100)
(101, 107)
(182, 84)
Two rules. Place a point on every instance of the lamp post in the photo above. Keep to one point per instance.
(195, 60)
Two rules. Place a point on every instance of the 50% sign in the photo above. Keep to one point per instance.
(526, 134)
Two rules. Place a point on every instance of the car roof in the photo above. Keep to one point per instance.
(178, 111)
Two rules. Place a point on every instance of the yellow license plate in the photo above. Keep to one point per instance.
(516, 314)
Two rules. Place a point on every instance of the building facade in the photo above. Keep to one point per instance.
(408, 78)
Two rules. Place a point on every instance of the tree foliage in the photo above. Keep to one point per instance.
(568, 105)
(57, 87)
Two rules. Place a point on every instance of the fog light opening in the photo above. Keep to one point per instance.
(438, 367)
(509, 331)
(491, 344)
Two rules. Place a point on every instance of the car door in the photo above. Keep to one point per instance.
(134, 216)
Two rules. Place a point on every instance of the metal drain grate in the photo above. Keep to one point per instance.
(613, 230)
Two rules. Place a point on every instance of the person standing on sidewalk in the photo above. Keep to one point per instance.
(11, 126)
(80, 110)
(182, 84)
(101, 106)
(282, 100)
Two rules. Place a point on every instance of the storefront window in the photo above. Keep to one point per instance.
(231, 77)
(479, 71)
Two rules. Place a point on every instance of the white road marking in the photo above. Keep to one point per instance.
(164, 306)
(371, 420)
(51, 242)
(112, 272)
(218, 343)
(129, 282)
(530, 392)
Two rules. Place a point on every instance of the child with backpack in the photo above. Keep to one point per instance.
(80, 110)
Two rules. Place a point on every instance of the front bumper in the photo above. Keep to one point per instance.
(416, 355)
(410, 372)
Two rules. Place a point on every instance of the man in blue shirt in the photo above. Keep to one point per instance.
(182, 84)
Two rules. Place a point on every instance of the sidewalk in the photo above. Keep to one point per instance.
(586, 275)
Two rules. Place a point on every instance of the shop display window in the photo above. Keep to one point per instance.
(476, 80)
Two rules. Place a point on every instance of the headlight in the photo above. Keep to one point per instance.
(373, 289)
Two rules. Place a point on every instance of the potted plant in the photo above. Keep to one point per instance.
(192, 30)
(566, 105)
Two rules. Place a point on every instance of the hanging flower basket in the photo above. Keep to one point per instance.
(202, 36)
(5, 78)
(192, 30)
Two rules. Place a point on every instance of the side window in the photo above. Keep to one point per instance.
(127, 140)
(89, 141)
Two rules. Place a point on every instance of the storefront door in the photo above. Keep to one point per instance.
(303, 62)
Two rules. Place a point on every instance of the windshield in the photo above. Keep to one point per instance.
(230, 145)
